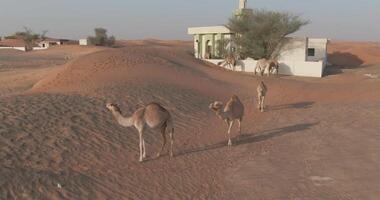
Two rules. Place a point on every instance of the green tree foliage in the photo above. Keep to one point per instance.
(222, 49)
(28, 36)
(101, 38)
(262, 33)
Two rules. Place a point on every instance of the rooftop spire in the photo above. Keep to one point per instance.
(242, 4)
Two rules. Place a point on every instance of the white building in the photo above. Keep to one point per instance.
(48, 42)
(301, 56)
(83, 42)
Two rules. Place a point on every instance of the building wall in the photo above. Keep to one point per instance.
(200, 43)
(44, 44)
(15, 48)
(296, 68)
(83, 42)
(294, 50)
(39, 48)
(197, 45)
(320, 47)
(207, 40)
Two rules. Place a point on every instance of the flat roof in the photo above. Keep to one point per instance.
(208, 30)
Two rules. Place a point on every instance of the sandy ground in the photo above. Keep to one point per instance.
(318, 138)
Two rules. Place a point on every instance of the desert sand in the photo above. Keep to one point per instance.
(318, 139)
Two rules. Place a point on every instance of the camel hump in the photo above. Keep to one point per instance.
(156, 106)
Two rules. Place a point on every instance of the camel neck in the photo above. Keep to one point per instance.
(124, 121)
(221, 114)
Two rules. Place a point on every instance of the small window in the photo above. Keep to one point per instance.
(311, 52)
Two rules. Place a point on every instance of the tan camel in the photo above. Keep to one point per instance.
(270, 66)
(261, 93)
(234, 110)
(261, 65)
(151, 116)
(229, 60)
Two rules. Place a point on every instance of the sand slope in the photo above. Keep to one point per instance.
(317, 140)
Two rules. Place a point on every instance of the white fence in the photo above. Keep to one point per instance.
(23, 48)
(39, 48)
(15, 48)
(295, 68)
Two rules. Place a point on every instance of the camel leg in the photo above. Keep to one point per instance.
(164, 140)
(229, 133)
(239, 123)
(141, 145)
(171, 135)
(262, 103)
(258, 101)
(227, 122)
(144, 150)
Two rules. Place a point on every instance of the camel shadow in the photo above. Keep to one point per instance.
(299, 105)
(252, 138)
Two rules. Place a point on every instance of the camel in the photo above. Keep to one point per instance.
(261, 93)
(234, 110)
(261, 65)
(266, 65)
(273, 67)
(229, 60)
(151, 116)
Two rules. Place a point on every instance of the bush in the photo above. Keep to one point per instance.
(101, 38)
(262, 33)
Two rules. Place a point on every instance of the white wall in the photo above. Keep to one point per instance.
(83, 42)
(294, 50)
(39, 48)
(208, 30)
(295, 68)
(320, 46)
(16, 48)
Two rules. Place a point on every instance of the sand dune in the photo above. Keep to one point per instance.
(58, 141)
(354, 54)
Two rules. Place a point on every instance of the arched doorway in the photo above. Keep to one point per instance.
(208, 50)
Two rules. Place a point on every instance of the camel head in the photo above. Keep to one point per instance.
(113, 107)
(215, 106)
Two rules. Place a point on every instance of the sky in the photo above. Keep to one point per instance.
(169, 19)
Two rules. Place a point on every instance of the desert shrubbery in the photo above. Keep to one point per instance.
(101, 38)
(262, 33)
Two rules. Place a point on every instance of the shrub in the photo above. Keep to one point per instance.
(262, 33)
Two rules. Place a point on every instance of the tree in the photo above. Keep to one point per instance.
(28, 37)
(101, 38)
(222, 49)
(262, 33)
(43, 34)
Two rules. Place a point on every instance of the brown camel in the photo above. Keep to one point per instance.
(151, 116)
(229, 60)
(234, 110)
(273, 67)
(261, 93)
(270, 66)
